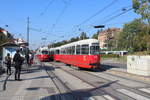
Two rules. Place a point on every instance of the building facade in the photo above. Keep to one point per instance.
(108, 38)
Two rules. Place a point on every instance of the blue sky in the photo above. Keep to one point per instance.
(59, 21)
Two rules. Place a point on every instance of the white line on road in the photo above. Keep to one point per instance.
(145, 90)
(108, 97)
(132, 94)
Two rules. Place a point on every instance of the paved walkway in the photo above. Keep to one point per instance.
(35, 85)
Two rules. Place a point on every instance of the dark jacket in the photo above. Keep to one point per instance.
(18, 59)
(8, 60)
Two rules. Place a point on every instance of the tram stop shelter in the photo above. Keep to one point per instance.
(5, 48)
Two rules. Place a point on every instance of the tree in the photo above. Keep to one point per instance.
(74, 39)
(142, 7)
(83, 36)
(95, 36)
(134, 36)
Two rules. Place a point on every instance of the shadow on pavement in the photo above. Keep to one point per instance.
(101, 68)
(32, 70)
(78, 94)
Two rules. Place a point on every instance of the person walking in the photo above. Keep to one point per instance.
(8, 63)
(17, 63)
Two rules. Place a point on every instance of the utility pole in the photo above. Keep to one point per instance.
(28, 21)
(27, 49)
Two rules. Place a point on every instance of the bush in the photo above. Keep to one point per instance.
(109, 55)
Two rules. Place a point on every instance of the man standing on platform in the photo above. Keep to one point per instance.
(8, 63)
(17, 63)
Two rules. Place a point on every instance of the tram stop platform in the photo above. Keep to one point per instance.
(35, 85)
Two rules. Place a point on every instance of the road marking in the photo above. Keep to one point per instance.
(132, 94)
(145, 90)
(108, 97)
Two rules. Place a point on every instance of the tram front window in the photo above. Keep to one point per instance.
(44, 52)
(94, 50)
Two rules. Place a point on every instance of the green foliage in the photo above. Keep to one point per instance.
(83, 36)
(109, 55)
(64, 42)
(135, 36)
(95, 36)
(142, 7)
(74, 39)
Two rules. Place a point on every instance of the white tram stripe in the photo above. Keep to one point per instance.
(108, 97)
(132, 94)
(145, 90)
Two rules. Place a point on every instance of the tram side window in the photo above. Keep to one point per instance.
(72, 50)
(94, 50)
(57, 51)
(62, 51)
(78, 49)
(85, 49)
(44, 52)
(69, 50)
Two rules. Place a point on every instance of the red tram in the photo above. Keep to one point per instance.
(82, 54)
(43, 55)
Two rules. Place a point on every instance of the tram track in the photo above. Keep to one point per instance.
(91, 84)
(111, 74)
(65, 92)
(108, 82)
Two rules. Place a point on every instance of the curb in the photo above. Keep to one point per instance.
(129, 75)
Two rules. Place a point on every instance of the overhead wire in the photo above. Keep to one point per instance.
(61, 14)
(113, 17)
(95, 14)
(46, 8)
(111, 14)
(98, 12)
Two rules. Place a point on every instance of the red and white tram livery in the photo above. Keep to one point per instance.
(43, 55)
(83, 53)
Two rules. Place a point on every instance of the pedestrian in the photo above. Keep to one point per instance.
(18, 60)
(27, 58)
(31, 57)
(8, 63)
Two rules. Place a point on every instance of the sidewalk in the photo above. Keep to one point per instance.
(120, 69)
(35, 85)
(122, 72)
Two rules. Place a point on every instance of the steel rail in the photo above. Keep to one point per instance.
(100, 78)
(60, 81)
(83, 80)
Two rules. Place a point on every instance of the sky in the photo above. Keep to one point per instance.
(56, 20)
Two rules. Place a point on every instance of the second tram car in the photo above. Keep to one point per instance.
(43, 55)
(82, 54)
